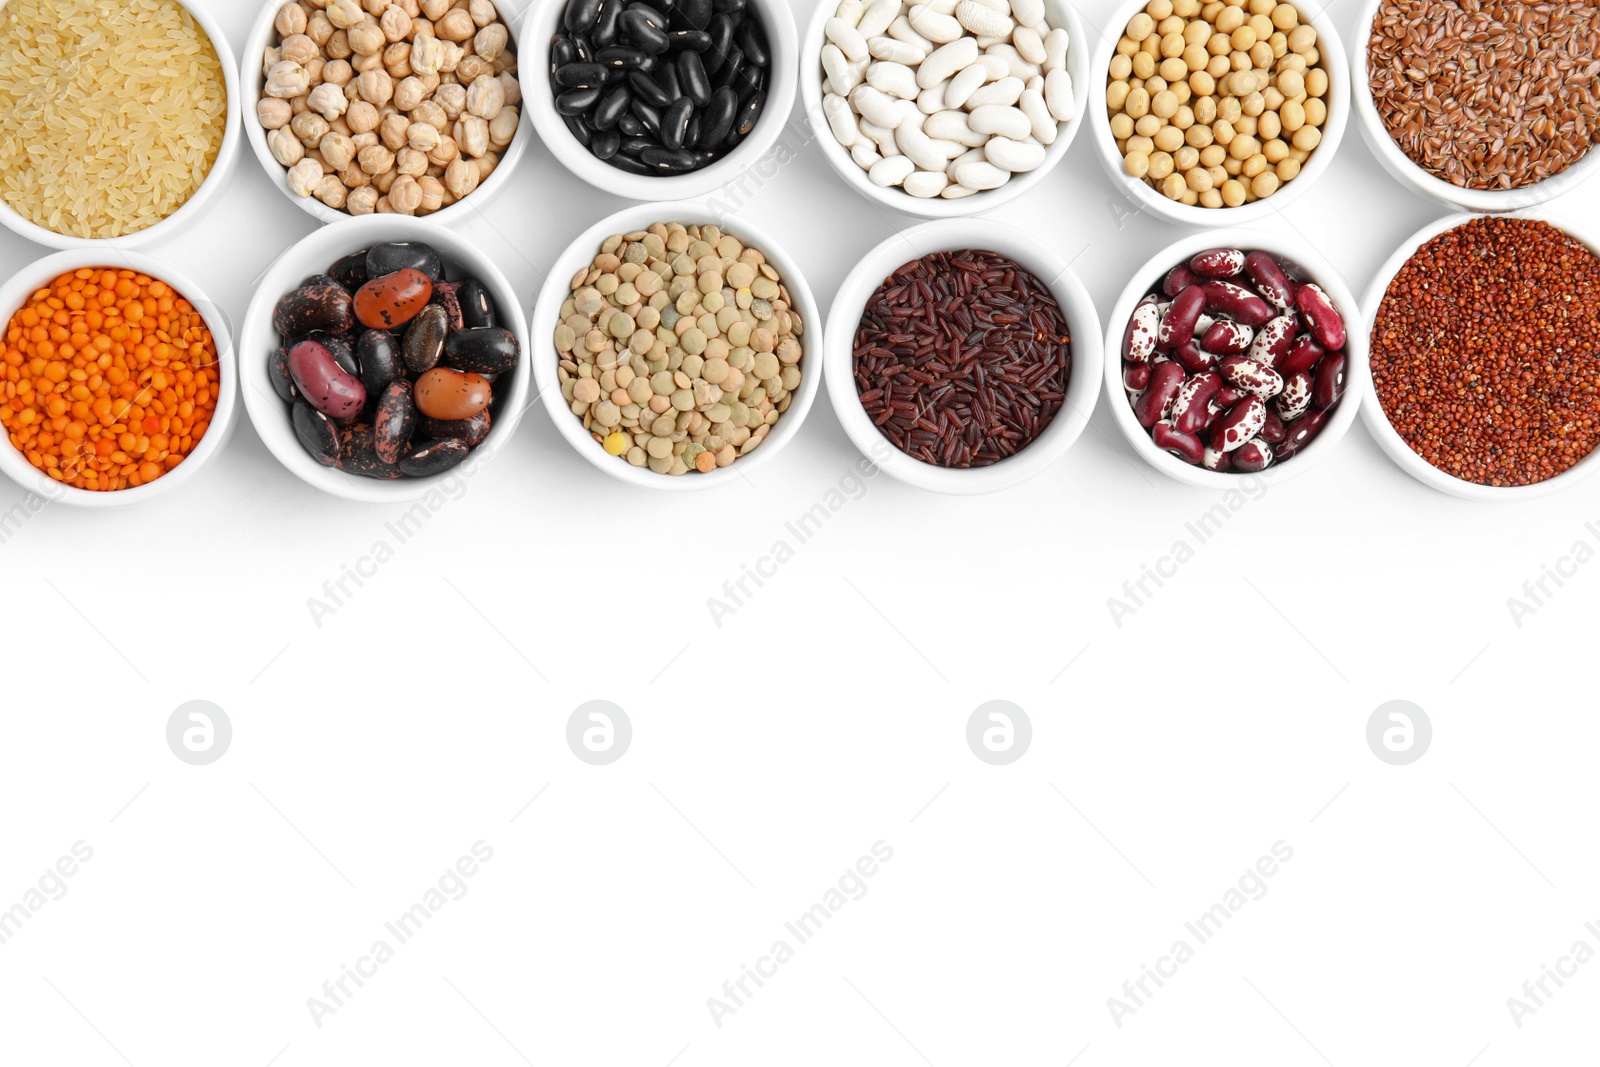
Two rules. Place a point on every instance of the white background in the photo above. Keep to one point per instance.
(827, 714)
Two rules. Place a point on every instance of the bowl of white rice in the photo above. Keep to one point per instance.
(119, 119)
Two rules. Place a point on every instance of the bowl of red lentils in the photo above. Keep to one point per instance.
(1486, 108)
(1483, 378)
(119, 378)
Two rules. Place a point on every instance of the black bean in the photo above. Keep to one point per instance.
(692, 14)
(611, 108)
(350, 271)
(731, 7)
(582, 51)
(647, 87)
(634, 146)
(692, 40)
(717, 119)
(667, 78)
(749, 80)
(675, 122)
(484, 351)
(641, 32)
(732, 67)
(562, 52)
(379, 355)
(754, 43)
(403, 255)
(721, 34)
(668, 160)
(581, 75)
(605, 28)
(578, 130)
(749, 113)
(691, 134)
(650, 116)
(477, 306)
(630, 125)
(577, 101)
(434, 457)
(580, 15)
(623, 161)
(620, 58)
(692, 78)
(605, 144)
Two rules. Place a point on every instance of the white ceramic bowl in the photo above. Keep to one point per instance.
(197, 204)
(1314, 268)
(542, 23)
(1398, 164)
(16, 291)
(1146, 197)
(557, 287)
(1372, 409)
(251, 80)
(1057, 13)
(946, 235)
(313, 255)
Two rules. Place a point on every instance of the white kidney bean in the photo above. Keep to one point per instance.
(900, 29)
(1017, 67)
(891, 170)
(864, 154)
(889, 50)
(981, 175)
(980, 20)
(1058, 94)
(926, 183)
(1005, 92)
(996, 119)
(955, 191)
(895, 79)
(1055, 50)
(947, 61)
(875, 20)
(850, 11)
(932, 100)
(841, 73)
(963, 85)
(846, 37)
(1044, 124)
(1014, 156)
(1028, 12)
(1029, 45)
(951, 125)
(883, 138)
(920, 148)
(841, 120)
(940, 29)
(875, 107)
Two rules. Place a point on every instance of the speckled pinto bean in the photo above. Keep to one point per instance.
(1140, 339)
(1240, 368)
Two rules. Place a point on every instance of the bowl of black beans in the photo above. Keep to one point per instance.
(660, 99)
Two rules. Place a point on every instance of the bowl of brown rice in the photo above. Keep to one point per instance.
(119, 119)
(1493, 108)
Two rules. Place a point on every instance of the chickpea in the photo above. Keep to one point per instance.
(309, 127)
(405, 195)
(366, 38)
(362, 201)
(442, 156)
(363, 117)
(319, 29)
(338, 46)
(394, 131)
(290, 21)
(337, 72)
(274, 113)
(461, 178)
(331, 191)
(433, 194)
(395, 23)
(397, 60)
(375, 87)
(375, 159)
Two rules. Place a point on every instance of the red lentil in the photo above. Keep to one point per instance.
(1486, 351)
(962, 358)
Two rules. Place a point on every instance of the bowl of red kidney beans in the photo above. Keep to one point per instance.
(660, 99)
(385, 354)
(1232, 353)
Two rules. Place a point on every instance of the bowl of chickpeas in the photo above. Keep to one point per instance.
(1217, 112)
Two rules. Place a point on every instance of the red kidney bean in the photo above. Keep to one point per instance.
(1186, 446)
(1191, 406)
(1272, 343)
(1216, 461)
(1257, 379)
(1272, 430)
(1226, 337)
(1303, 354)
(1153, 403)
(1236, 302)
(395, 418)
(1252, 456)
(1321, 317)
(325, 385)
(1178, 324)
(1301, 431)
(1178, 279)
(1135, 376)
(1239, 424)
(1140, 339)
(1296, 396)
(1218, 263)
(1194, 358)
(1270, 280)
(1328, 386)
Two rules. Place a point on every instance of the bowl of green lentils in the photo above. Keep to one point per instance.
(671, 350)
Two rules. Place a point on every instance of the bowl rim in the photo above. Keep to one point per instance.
(1402, 169)
(557, 287)
(252, 80)
(270, 415)
(31, 277)
(839, 159)
(1318, 269)
(1143, 196)
(199, 202)
(1377, 420)
(538, 23)
(1083, 388)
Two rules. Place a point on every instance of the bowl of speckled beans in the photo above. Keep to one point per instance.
(674, 350)
(1483, 373)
